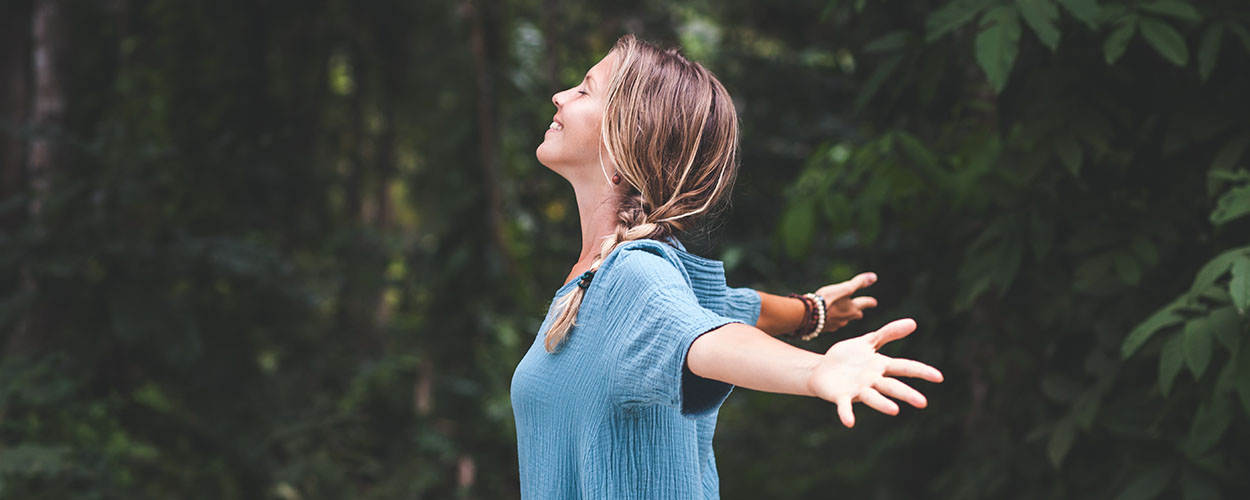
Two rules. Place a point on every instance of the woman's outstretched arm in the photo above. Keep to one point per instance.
(781, 315)
(850, 371)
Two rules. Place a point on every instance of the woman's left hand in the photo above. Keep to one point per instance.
(853, 371)
(840, 307)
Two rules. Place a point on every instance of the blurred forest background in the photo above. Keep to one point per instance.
(294, 249)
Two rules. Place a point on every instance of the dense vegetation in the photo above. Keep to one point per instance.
(294, 249)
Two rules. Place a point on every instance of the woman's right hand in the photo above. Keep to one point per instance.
(853, 371)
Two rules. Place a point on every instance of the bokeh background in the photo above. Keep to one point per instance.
(294, 249)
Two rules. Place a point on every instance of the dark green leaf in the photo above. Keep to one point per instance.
(1226, 326)
(953, 15)
(1239, 286)
(1242, 34)
(1166, 40)
(1041, 16)
(1233, 205)
(1162, 318)
(1086, 408)
(1174, 8)
(1070, 153)
(1198, 486)
(998, 43)
(1085, 10)
(1127, 267)
(1197, 334)
(1207, 427)
(1209, 50)
(1149, 484)
(1215, 268)
(1117, 41)
(893, 41)
(798, 225)
(1170, 361)
(1230, 153)
(1060, 442)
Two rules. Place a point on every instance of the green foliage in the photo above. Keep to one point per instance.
(268, 268)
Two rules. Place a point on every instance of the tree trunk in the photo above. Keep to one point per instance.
(479, 14)
(14, 102)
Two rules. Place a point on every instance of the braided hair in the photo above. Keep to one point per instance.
(671, 130)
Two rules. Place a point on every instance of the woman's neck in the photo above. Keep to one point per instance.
(596, 210)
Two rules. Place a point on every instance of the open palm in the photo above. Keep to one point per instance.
(852, 370)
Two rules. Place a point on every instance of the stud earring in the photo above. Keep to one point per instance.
(616, 178)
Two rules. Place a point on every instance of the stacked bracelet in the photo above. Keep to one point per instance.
(813, 316)
(820, 316)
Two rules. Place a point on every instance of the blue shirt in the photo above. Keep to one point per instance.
(615, 413)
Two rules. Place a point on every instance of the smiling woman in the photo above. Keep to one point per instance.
(617, 397)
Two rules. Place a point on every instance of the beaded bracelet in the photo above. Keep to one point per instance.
(820, 317)
(813, 316)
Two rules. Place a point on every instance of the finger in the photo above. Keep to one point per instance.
(848, 287)
(845, 413)
(862, 303)
(898, 367)
(892, 331)
(896, 389)
(876, 401)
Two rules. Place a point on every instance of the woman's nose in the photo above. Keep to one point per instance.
(555, 99)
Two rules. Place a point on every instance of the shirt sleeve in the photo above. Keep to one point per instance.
(743, 304)
(651, 352)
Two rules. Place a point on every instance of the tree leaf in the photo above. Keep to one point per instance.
(1117, 42)
(1166, 40)
(1060, 442)
(953, 15)
(1173, 8)
(1226, 326)
(1085, 10)
(798, 225)
(1070, 153)
(1198, 486)
(998, 43)
(1242, 33)
(1171, 358)
(1041, 15)
(1233, 205)
(1226, 159)
(1161, 319)
(1127, 267)
(1215, 268)
(1147, 485)
(1208, 426)
(1242, 362)
(1197, 334)
(1086, 408)
(1239, 286)
(1209, 50)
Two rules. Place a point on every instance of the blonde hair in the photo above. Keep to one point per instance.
(671, 130)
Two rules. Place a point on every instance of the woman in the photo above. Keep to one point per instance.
(618, 395)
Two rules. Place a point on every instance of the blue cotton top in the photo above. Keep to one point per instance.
(615, 413)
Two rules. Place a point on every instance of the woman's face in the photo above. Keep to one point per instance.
(571, 146)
